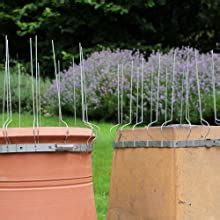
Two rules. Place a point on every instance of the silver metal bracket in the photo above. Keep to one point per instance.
(168, 144)
(27, 148)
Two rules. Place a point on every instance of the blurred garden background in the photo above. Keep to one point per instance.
(112, 33)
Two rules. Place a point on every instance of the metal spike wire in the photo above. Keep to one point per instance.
(92, 126)
(59, 82)
(217, 120)
(142, 92)
(182, 97)
(3, 100)
(138, 122)
(118, 102)
(172, 95)
(130, 101)
(7, 79)
(36, 91)
(141, 79)
(122, 101)
(202, 120)
(74, 91)
(151, 95)
(9, 85)
(130, 97)
(118, 95)
(84, 108)
(4, 84)
(187, 90)
(58, 93)
(19, 95)
(122, 92)
(137, 97)
(166, 94)
(82, 87)
(137, 102)
(198, 88)
(157, 98)
(7, 93)
(84, 116)
(39, 92)
(9, 100)
(33, 90)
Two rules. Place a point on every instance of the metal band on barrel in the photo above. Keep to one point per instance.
(168, 144)
(27, 148)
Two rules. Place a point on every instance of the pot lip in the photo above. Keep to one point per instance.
(171, 126)
(47, 131)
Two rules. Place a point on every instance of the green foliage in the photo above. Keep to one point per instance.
(142, 25)
(25, 89)
(31, 27)
(105, 6)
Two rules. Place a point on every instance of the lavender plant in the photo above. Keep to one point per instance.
(185, 63)
(101, 84)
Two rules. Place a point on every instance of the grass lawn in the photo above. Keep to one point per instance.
(102, 157)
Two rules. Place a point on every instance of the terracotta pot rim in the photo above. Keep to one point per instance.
(47, 132)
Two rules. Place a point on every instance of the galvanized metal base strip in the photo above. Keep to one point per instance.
(25, 148)
(168, 144)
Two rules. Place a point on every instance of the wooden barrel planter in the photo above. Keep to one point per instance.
(48, 179)
(166, 177)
